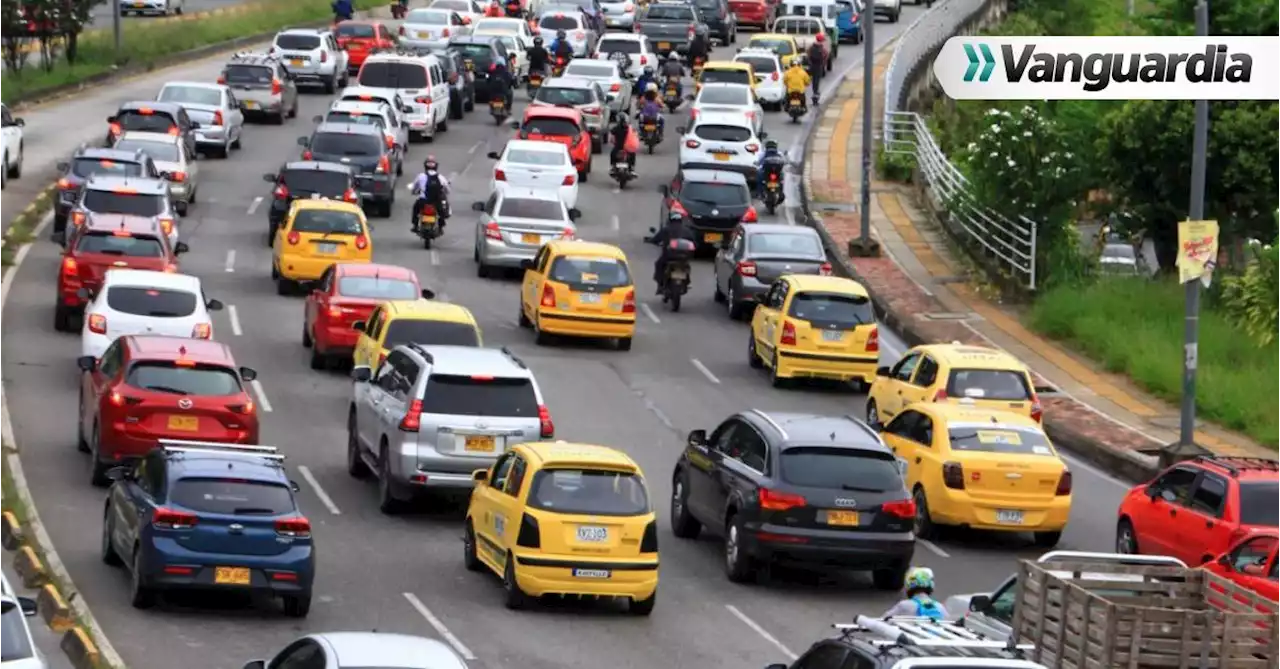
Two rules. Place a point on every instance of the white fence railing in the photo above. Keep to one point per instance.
(1008, 242)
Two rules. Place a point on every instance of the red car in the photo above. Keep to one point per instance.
(1197, 509)
(103, 242)
(756, 13)
(1251, 563)
(361, 38)
(147, 387)
(558, 124)
(347, 293)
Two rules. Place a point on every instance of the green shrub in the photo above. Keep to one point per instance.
(1252, 298)
(899, 167)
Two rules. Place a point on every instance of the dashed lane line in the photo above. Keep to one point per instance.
(439, 627)
(325, 499)
(435, 257)
(649, 312)
(933, 548)
(705, 372)
(614, 223)
(761, 631)
(234, 316)
(253, 206)
(262, 395)
(231, 260)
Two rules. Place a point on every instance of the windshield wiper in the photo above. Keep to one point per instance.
(252, 509)
(710, 203)
(167, 389)
(163, 314)
(854, 488)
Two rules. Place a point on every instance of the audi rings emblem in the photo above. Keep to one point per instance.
(184, 403)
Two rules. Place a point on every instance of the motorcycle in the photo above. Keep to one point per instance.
(649, 133)
(676, 272)
(621, 171)
(429, 224)
(498, 108)
(535, 82)
(671, 95)
(795, 106)
(558, 68)
(772, 191)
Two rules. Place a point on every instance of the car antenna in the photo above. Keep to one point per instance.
(833, 436)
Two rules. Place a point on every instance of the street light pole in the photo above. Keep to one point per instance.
(115, 26)
(863, 246)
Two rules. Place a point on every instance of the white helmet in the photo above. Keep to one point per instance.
(651, 87)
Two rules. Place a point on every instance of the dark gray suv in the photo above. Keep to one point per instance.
(363, 148)
(757, 254)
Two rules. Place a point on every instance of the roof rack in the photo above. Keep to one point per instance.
(514, 358)
(923, 632)
(220, 448)
(1235, 464)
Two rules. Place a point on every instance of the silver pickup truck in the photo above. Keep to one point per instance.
(670, 26)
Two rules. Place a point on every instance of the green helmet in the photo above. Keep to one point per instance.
(919, 578)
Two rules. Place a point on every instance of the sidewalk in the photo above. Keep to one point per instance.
(922, 290)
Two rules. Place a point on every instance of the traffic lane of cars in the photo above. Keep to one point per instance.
(100, 17)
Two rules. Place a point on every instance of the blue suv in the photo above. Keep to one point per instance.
(209, 516)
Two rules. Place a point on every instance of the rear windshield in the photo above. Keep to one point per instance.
(166, 377)
(556, 127)
(355, 117)
(840, 469)
(139, 122)
(467, 396)
(87, 167)
(345, 144)
(248, 74)
(843, 310)
(232, 497)
(374, 288)
(154, 302)
(565, 96)
(589, 492)
(327, 222)
(627, 46)
(291, 42)
(715, 193)
(546, 210)
(784, 244)
(585, 69)
(479, 54)
(325, 182)
(797, 27)
(354, 30)
(134, 204)
(782, 47)
(159, 151)
(669, 13)
(429, 18)
(726, 95)
(393, 75)
(606, 272)
(1258, 504)
(558, 22)
(999, 439)
(429, 333)
(133, 246)
(728, 77)
(759, 64)
(988, 384)
(722, 133)
(196, 95)
(544, 158)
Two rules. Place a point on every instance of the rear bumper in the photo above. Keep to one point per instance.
(863, 550)
(271, 105)
(304, 268)
(212, 135)
(805, 364)
(752, 19)
(499, 254)
(377, 188)
(335, 339)
(748, 171)
(120, 445)
(165, 552)
(585, 325)
(962, 509)
(678, 44)
(539, 575)
(620, 20)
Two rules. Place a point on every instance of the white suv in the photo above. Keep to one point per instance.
(312, 56)
(10, 145)
(721, 141)
(136, 301)
(421, 83)
(768, 70)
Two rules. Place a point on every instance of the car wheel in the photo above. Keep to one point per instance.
(642, 607)
(236, 143)
(623, 343)
(738, 565)
(736, 311)
(718, 296)
(873, 415)
(319, 361)
(597, 145)
(296, 606)
(97, 469)
(15, 170)
(540, 338)
(306, 336)
(753, 356)
(443, 126)
(924, 527)
(524, 320)
(889, 578)
(62, 318)
(109, 555)
(683, 524)
(140, 595)
(1047, 539)
(356, 466)
(469, 558)
(516, 599)
(1126, 538)
(283, 286)
(388, 503)
(482, 270)
(775, 380)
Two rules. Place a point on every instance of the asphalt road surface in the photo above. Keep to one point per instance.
(687, 370)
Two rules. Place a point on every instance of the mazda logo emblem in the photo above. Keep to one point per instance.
(184, 403)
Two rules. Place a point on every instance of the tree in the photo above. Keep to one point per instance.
(1232, 17)
(72, 17)
(13, 26)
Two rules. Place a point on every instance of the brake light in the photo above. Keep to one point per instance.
(644, 60)
(902, 508)
(202, 331)
(245, 409)
(772, 500)
(773, 177)
(284, 575)
(281, 192)
(1064, 483)
(491, 231)
(294, 238)
(629, 302)
(324, 56)
(97, 324)
(499, 175)
(530, 535)
(65, 184)
(428, 210)
(548, 297)
(384, 165)
(1037, 409)
(173, 131)
(382, 357)
(390, 141)
(940, 396)
(178, 177)
(774, 76)
(69, 266)
(299, 528)
(569, 180)
(350, 195)
(788, 334)
(306, 155)
(423, 99)
(677, 208)
(217, 118)
(114, 128)
(746, 268)
(635, 28)
(546, 426)
(362, 242)
(873, 340)
(751, 216)
(579, 35)
(222, 78)
(953, 475)
(171, 269)
(691, 32)
(412, 418)
(692, 143)
(168, 519)
(445, 33)
(825, 269)
(615, 88)
(277, 87)
(78, 218)
(649, 542)
(752, 148)
(591, 111)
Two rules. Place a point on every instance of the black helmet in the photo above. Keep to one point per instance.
(537, 41)
(560, 34)
(648, 69)
(771, 145)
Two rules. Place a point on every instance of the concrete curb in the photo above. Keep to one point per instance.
(54, 609)
(10, 532)
(80, 649)
(29, 567)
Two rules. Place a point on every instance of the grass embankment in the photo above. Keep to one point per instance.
(149, 42)
(1135, 327)
(22, 228)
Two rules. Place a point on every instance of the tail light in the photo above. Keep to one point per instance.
(644, 60)
(97, 324)
(635, 28)
(202, 331)
(120, 400)
(222, 78)
(306, 155)
(78, 218)
(569, 180)
(902, 508)
(384, 165)
(289, 576)
(530, 535)
(568, 234)
(499, 175)
(293, 238)
(171, 269)
(548, 297)
(591, 111)
(773, 177)
(1064, 484)
(746, 268)
(349, 195)
(953, 475)
(166, 226)
(629, 302)
(788, 334)
(1037, 409)
(615, 88)
(824, 269)
(772, 500)
(423, 99)
(774, 76)
(873, 340)
(362, 242)
(178, 570)
(324, 56)
(65, 184)
(445, 33)
(69, 266)
(491, 231)
(247, 408)
(579, 35)
(402, 31)
(168, 519)
(114, 128)
(281, 192)
(692, 143)
(546, 426)
(751, 216)
(691, 32)
(649, 543)
(752, 148)
(217, 118)
(277, 87)
(382, 357)
(940, 396)
(428, 210)
(178, 177)
(412, 418)
(298, 528)
(390, 141)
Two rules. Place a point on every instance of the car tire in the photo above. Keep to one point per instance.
(15, 170)
(623, 343)
(516, 599)
(683, 524)
(443, 126)
(873, 415)
(718, 296)
(82, 444)
(319, 361)
(482, 270)
(296, 606)
(307, 342)
(597, 145)
(753, 356)
(97, 469)
(283, 286)
(1047, 539)
(109, 555)
(469, 558)
(356, 466)
(1126, 538)
(141, 596)
(523, 319)
(642, 607)
(889, 579)
(235, 144)
(736, 310)
(775, 380)
(293, 110)
(924, 527)
(540, 338)
(738, 566)
(388, 503)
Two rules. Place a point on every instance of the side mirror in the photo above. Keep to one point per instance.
(1225, 560)
(317, 119)
(480, 475)
(361, 374)
(293, 485)
(697, 438)
(119, 474)
(882, 371)
(681, 129)
(21, 123)
(63, 166)
(111, 119)
(303, 141)
(358, 326)
(477, 206)
(180, 248)
(980, 603)
(574, 214)
(255, 664)
(493, 155)
(269, 178)
(248, 373)
(213, 305)
(29, 606)
(428, 294)
(86, 363)
(515, 125)
(527, 263)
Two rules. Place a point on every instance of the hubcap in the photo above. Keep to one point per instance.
(1125, 543)
(731, 547)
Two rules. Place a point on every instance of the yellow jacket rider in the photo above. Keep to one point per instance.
(796, 79)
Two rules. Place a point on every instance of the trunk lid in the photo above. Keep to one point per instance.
(92, 267)
(540, 177)
(202, 114)
(844, 489)
(359, 164)
(162, 415)
(479, 417)
(348, 310)
(335, 245)
(832, 323)
(996, 477)
(236, 516)
(769, 270)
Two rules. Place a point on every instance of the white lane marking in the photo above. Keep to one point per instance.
(439, 626)
(475, 147)
(614, 223)
(262, 395)
(616, 191)
(231, 260)
(933, 547)
(705, 372)
(325, 499)
(649, 312)
(435, 257)
(761, 631)
(253, 206)
(234, 317)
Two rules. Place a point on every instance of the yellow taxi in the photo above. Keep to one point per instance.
(992, 379)
(982, 468)
(726, 72)
(425, 322)
(580, 289)
(785, 47)
(316, 234)
(555, 518)
(815, 327)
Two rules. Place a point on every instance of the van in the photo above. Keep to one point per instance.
(421, 82)
(826, 10)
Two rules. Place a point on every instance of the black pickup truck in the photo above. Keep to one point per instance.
(670, 26)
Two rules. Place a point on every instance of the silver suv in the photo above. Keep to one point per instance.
(429, 416)
(263, 86)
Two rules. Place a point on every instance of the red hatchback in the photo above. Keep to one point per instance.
(561, 125)
(1251, 563)
(145, 388)
(758, 13)
(361, 38)
(348, 293)
(103, 242)
(1196, 510)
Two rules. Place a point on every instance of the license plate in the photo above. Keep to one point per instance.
(650, 127)
(664, 45)
(772, 185)
(591, 573)
(679, 275)
(498, 104)
(139, 5)
(712, 237)
(470, 66)
(297, 62)
(1009, 516)
(327, 248)
(250, 104)
(722, 157)
(184, 423)
(423, 35)
(589, 298)
(593, 533)
(794, 102)
(479, 444)
(671, 92)
(842, 518)
(231, 575)
(832, 335)
(429, 220)
(530, 238)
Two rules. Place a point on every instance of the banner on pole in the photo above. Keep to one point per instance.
(1197, 250)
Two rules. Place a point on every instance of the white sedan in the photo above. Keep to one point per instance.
(432, 28)
(470, 10)
(214, 107)
(606, 73)
(728, 99)
(518, 28)
(135, 301)
(538, 165)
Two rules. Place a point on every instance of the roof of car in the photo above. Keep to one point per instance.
(319, 165)
(127, 184)
(134, 225)
(577, 247)
(160, 347)
(171, 108)
(226, 466)
(473, 360)
(101, 153)
(726, 65)
(569, 113)
(962, 412)
(393, 651)
(348, 129)
(709, 176)
(778, 228)
(757, 51)
(162, 137)
(1243, 468)
(378, 105)
(429, 310)
(771, 36)
(376, 270)
(551, 453)
(326, 204)
(143, 278)
(359, 22)
(536, 145)
(195, 84)
(974, 357)
(815, 429)
(500, 20)
(832, 284)
(569, 82)
(302, 31)
(628, 37)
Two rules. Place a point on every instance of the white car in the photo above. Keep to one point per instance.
(890, 9)
(720, 141)
(432, 27)
(608, 75)
(619, 13)
(20, 651)
(768, 69)
(470, 10)
(518, 28)
(10, 145)
(514, 223)
(169, 153)
(215, 108)
(514, 47)
(152, 7)
(540, 165)
(419, 80)
(635, 45)
(574, 26)
(372, 112)
(312, 55)
(135, 301)
(729, 99)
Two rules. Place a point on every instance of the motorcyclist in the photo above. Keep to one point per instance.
(677, 227)
(651, 107)
(538, 56)
(502, 79)
(560, 46)
(431, 187)
(771, 162)
(342, 10)
(493, 10)
(642, 82)
(817, 57)
(698, 48)
(919, 601)
(618, 134)
(797, 80)
(673, 68)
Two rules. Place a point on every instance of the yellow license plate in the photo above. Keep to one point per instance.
(842, 518)
(423, 35)
(470, 66)
(231, 575)
(429, 220)
(650, 127)
(498, 104)
(250, 104)
(712, 237)
(184, 423)
(529, 238)
(795, 103)
(722, 157)
(297, 62)
(671, 92)
(479, 444)
(664, 45)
